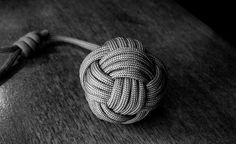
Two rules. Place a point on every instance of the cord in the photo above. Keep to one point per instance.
(122, 82)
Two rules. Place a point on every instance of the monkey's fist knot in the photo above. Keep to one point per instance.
(122, 82)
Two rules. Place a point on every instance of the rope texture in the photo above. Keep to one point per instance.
(122, 82)
(23, 47)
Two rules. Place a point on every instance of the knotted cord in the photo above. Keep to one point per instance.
(122, 82)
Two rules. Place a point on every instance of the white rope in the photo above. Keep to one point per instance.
(122, 83)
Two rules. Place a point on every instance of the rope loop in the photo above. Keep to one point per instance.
(30, 42)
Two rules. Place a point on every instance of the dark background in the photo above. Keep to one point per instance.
(219, 15)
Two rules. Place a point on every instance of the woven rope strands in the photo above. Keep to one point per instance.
(122, 82)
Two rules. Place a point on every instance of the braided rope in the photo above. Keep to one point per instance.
(122, 82)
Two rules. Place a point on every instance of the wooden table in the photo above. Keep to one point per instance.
(42, 101)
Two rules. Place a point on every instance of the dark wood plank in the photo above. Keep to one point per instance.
(43, 101)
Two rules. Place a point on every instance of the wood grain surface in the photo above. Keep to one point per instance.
(41, 100)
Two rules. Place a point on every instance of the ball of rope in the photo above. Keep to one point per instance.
(122, 83)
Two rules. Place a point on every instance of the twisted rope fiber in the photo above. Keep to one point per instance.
(122, 82)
